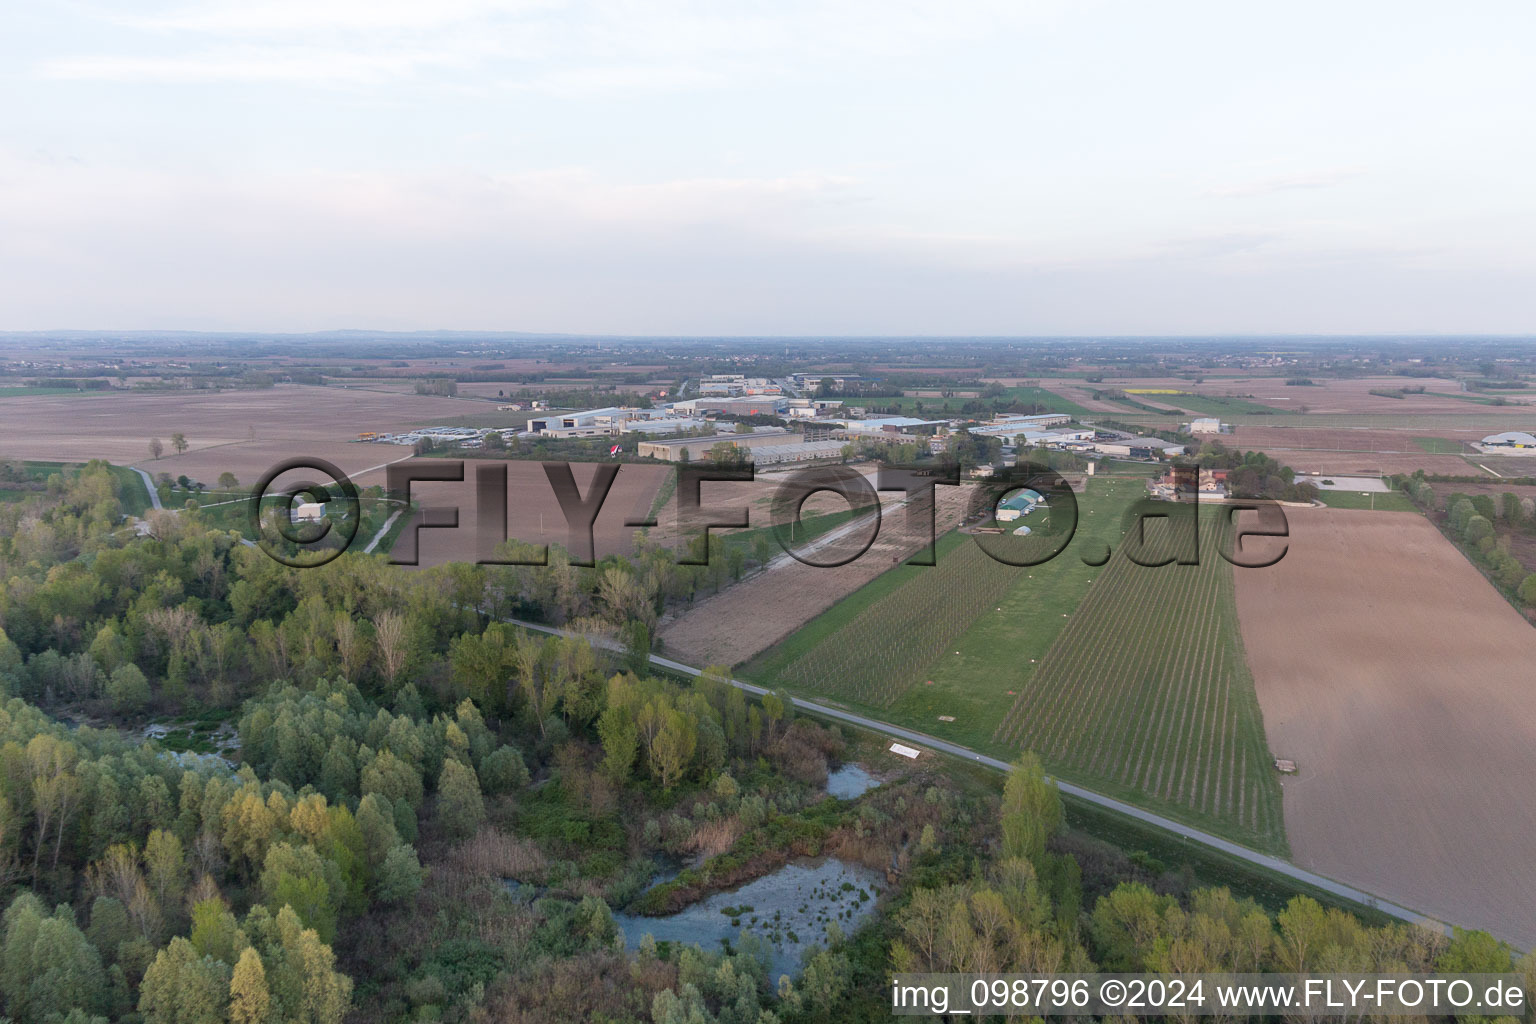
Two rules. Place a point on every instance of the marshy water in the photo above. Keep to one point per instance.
(850, 781)
(790, 908)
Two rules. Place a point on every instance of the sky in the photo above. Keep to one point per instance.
(1030, 167)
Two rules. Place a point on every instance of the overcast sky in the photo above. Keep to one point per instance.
(791, 167)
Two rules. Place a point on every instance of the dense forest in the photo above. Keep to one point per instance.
(376, 800)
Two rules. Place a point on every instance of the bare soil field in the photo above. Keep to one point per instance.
(1353, 451)
(1076, 391)
(249, 460)
(1325, 397)
(741, 621)
(1400, 682)
(1354, 396)
(118, 426)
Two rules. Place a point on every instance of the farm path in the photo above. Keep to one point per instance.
(149, 485)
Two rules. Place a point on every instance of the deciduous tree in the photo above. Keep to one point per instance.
(460, 808)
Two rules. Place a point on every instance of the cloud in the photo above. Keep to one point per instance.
(609, 47)
(292, 65)
(1284, 183)
(567, 249)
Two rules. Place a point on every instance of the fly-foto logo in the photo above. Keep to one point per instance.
(1023, 516)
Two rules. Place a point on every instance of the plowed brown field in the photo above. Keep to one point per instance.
(1405, 688)
(750, 617)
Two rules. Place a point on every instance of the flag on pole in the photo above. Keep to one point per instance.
(615, 450)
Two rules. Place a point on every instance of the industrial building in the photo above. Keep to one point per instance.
(594, 422)
(889, 424)
(670, 426)
(1510, 439)
(1036, 422)
(809, 408)
(806, 451)
(693, 449)
(812, 380)
(1139, 448)
(767, 405)
(1205, 425)
(1018, 505)
(730, 384)
(1034, 437)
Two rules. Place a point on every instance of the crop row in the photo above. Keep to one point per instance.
(1146, 689)
(879, 654)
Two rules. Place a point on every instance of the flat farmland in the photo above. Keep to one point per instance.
(1146, 694)
(1080, 394)
(248, 432)
(1401, 683)
(255, 427)
(921, 642)
(780, 603)
(1128, 679)
(1371, 451)
(1328, 396)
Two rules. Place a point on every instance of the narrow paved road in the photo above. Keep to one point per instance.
(382, 531)
(1192, 835)
(149, 485)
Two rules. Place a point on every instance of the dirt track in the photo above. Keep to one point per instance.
(1402, 684)
(729, 628)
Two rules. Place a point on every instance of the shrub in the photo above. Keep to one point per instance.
(503, 771)
(1478, 528)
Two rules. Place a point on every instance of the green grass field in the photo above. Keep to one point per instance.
(22, 391)
(1048, 400)
(1465, 396)
(1214, 405)
(1389, 501)
(1128, 679)
(1439, 445)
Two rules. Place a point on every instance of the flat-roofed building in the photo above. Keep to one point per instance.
(1140, 448)
(693, 449)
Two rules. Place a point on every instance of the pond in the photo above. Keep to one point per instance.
(850, 781)
(790, 908)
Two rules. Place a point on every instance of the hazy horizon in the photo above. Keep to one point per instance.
(850, 170)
